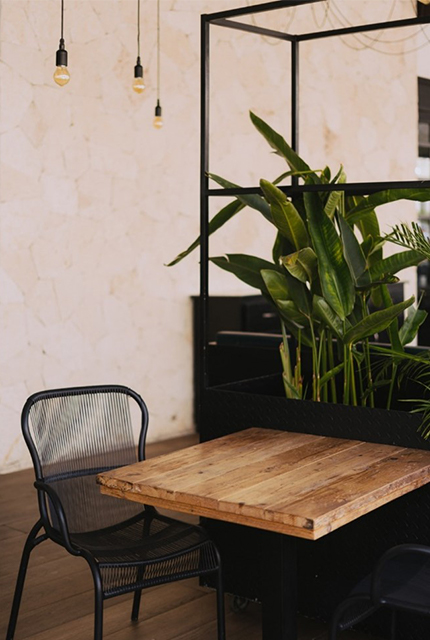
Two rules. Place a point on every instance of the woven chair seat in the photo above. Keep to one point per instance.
(165, 549)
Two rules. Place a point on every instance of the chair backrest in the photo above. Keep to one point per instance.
(74, 434)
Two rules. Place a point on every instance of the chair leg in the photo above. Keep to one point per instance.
(31, 542)
(136, 605)
(98, 601)
(220, 606)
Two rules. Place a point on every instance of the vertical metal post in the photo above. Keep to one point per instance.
(279, 587)
(295, 100)
(204, 208)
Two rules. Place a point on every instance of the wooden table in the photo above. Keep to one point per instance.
(297, 485)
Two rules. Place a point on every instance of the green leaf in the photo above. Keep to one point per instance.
(395, 263)
(353, 254)
(335, 196)
(336, 281)
(367, 286)
(302, 264)
(369, 203)
(331, 374)
(254, 201)
(327, 316)
(409, 328)
(291, 314)
(276, 284)
(282, 148)
(285, 216)
(246, 268)
(376, 322)
(217, 221)
(282, 286)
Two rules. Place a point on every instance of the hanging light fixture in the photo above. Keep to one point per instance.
(158, 120)
(138, 83)
(61, 73)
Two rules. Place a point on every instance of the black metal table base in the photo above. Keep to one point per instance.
(279, 587)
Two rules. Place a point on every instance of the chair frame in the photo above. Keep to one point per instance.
(43, 529)
(376, 598)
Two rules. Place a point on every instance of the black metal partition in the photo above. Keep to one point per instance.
(229, 19)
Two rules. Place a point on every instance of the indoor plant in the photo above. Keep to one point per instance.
(321, 278)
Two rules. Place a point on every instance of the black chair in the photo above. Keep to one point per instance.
(74, 434)
(400, 581)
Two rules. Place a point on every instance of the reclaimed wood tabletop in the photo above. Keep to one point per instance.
(297, 484)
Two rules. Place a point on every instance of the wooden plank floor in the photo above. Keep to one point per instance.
(58, 596)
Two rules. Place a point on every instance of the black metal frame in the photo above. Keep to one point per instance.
(374, 597)
(52, 525)
(225, 19)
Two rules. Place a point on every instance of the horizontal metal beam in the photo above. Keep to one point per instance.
(257, 8)
(344, 31)
(252, 28)
(351, 188)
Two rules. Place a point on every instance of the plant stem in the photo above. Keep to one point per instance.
(366, 350)
(345, 375)
(393, 380)
(352, 374)
(323, 345)
(315, 367)
(331, 365)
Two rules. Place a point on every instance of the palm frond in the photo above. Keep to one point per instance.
(410, 238)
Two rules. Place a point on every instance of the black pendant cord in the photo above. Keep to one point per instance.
(158, 51)
(138, 30)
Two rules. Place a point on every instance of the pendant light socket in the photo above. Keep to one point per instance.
(138, 83)
(61, 55)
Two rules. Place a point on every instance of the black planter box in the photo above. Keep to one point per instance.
(328, 567)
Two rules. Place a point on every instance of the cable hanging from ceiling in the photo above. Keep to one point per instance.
(158, 117)
(138, 82)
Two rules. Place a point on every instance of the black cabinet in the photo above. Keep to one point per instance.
(229, 361)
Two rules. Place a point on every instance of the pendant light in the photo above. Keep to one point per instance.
(138, 83)
(158, 120)
(61, 73)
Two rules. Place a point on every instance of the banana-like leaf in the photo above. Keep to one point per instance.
(246, 268)
(336, 281)
(251, 200)
(335, 196)
(376, 322)
(302, 264)
(217, 221)
(384, 197)
(285, 216)
(328, 317)
(291, 314)
(366, 286)
(276, 284)
(353, 254)
(282, 286)
(395, 263)
(282, 148)
(409, 328)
